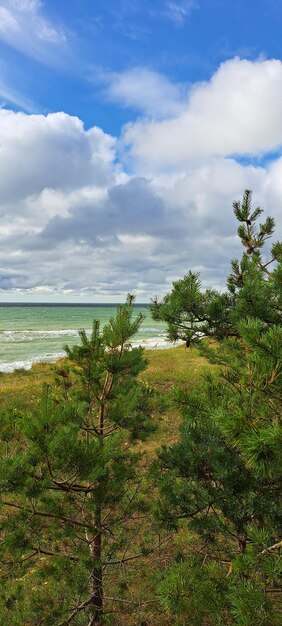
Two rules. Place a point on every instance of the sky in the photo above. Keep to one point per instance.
(127, 130)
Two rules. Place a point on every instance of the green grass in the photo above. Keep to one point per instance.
(21, 390)
(166, 368)
(175, 366)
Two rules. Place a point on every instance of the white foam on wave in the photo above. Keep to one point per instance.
(145, 329)
(31, 335)
(28, 363)
(154, 343)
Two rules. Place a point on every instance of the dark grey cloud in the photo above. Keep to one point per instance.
(131, 208)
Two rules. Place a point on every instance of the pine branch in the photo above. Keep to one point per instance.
(276, 546)
(61, 518)
(78, 609)
(140, 554)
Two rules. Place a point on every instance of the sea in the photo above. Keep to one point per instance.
(34, 333)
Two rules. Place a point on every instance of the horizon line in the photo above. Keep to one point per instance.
(70, 303)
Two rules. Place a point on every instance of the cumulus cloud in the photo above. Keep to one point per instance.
(74, 222)
(53, 151)
(236, 112)
(133, 209)
(146, 91)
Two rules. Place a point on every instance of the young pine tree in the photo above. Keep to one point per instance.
(221, 483)
(71, 497)
(192, 314)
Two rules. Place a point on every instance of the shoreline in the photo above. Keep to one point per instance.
(12, 366)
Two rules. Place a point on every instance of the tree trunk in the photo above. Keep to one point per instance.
(96, 545)
(242, 540)
(97, 575)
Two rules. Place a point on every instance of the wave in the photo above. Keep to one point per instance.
(145, 330)
(156, 343)
(31, 335)
(28, 363)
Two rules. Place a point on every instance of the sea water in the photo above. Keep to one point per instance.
(33, 333)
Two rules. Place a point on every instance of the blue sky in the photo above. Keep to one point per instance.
(184, 40)
(127, 129)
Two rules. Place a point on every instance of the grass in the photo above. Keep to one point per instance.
(21, 389)
(166, 369)
(175, 366)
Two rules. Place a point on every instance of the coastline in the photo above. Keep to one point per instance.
(151, 344)
(38, 334)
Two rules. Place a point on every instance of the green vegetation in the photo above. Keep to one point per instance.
(71, 478)
(101, 523)
(192, 314)
(131, 581)
(222, 480)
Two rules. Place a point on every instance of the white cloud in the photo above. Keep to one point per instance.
(23, 26)
(10, 95)
(147, 91)
(7, 22)
(74, 222)
(29, 6)
(238, 111)
(53, 151)
(178, 12)
(127, 234)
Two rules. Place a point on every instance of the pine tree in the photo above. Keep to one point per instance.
(192, 314)
(221, 482)
(71, 497)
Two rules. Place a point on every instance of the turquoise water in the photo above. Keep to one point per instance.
(30, 334)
